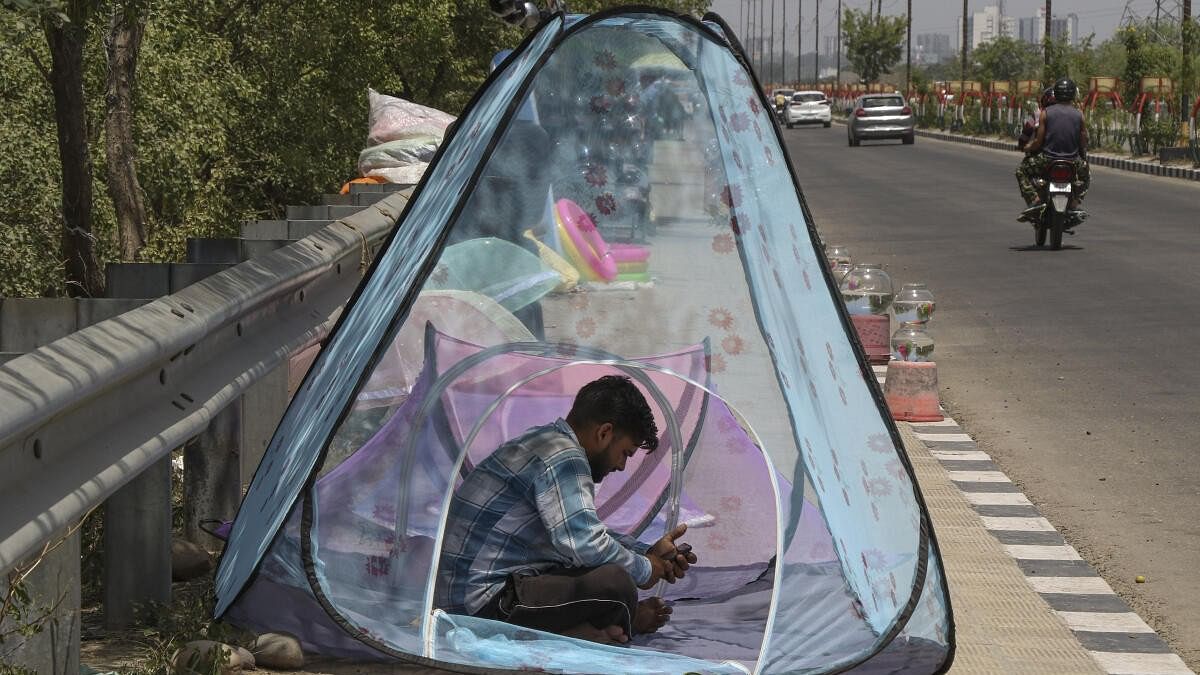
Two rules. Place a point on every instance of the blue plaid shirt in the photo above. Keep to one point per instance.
(530, 506)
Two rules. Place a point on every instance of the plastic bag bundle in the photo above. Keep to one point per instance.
(404, 152)
(394, 119)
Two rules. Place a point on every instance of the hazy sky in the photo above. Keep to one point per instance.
(936, 16)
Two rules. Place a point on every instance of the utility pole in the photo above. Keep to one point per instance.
(800, 41)
(817, 45)
(963, 80)
(771, 49)
(748, 32)
(837, 80)
(762, 38)
(783, 41)
(908, 59)
(1046, 75)
(1189, 30)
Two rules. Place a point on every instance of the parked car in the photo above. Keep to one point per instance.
(876, 116)
(808, 107)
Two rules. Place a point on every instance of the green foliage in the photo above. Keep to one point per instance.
(873, 44)
(1144, 58)
(241, 108)
(1006, 59)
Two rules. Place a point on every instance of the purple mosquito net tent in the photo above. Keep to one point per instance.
(816, 552)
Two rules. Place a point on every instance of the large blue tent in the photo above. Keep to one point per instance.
(705, 282)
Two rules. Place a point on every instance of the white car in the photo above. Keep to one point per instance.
(808, 107)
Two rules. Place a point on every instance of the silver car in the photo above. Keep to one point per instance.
(880, 116)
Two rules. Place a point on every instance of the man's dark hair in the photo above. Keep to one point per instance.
(615, 399)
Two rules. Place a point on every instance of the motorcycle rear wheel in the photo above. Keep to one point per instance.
(1040, 232)
(1056, 230)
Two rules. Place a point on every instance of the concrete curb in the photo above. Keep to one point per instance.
(1121, 163)
(1116, 638)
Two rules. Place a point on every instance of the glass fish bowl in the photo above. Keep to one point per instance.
(837, 254)
(867, 289)
(913, 304)
(911, 342)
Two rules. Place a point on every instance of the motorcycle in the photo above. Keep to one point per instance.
(1057, 189)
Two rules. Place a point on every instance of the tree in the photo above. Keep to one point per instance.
(66, 35)
(122, 44)
(1143, 58)
(873, 43)
(242, 107)
(1005, 59)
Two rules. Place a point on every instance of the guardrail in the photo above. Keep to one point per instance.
(84, 415)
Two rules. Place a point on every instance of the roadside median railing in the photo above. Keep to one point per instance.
(86, 414)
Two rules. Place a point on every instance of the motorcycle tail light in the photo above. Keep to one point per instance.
(1060, 174)
(860, 113)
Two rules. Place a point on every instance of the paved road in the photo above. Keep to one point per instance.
(1077, 369)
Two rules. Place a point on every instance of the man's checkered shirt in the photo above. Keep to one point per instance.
(530, 506)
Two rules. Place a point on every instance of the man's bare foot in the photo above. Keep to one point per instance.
(612, 635)
(652, 614)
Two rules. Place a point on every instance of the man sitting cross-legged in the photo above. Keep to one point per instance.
(524, 544)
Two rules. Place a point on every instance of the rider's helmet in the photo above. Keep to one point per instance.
(1047, 97)
(1064, 89)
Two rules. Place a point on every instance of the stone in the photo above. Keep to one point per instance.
(200, 657)
(280, 651)
(188, 561)
(248, 660)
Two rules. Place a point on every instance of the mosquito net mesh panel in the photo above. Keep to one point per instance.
(637, 146)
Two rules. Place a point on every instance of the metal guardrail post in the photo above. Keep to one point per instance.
(137, 545)
(137, 517)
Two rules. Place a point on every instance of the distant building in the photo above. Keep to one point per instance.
(931, 48)
(988, 25)
(1033, 29)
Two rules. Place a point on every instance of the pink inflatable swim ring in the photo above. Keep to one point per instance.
(587, 240)
(630, 253)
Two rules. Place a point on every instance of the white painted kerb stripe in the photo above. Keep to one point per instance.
(1008, 524)
(1141, 664)
(948, 422)
(1106, 622)
(1072, 585)
(961, 456)
(998, 499)
(1031, 552)
(978, 476)
(946, 438)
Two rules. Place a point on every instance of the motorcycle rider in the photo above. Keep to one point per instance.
(1061, 135)
(1031, 121)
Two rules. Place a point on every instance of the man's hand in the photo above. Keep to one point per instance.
(660, 570)
(677, 557)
